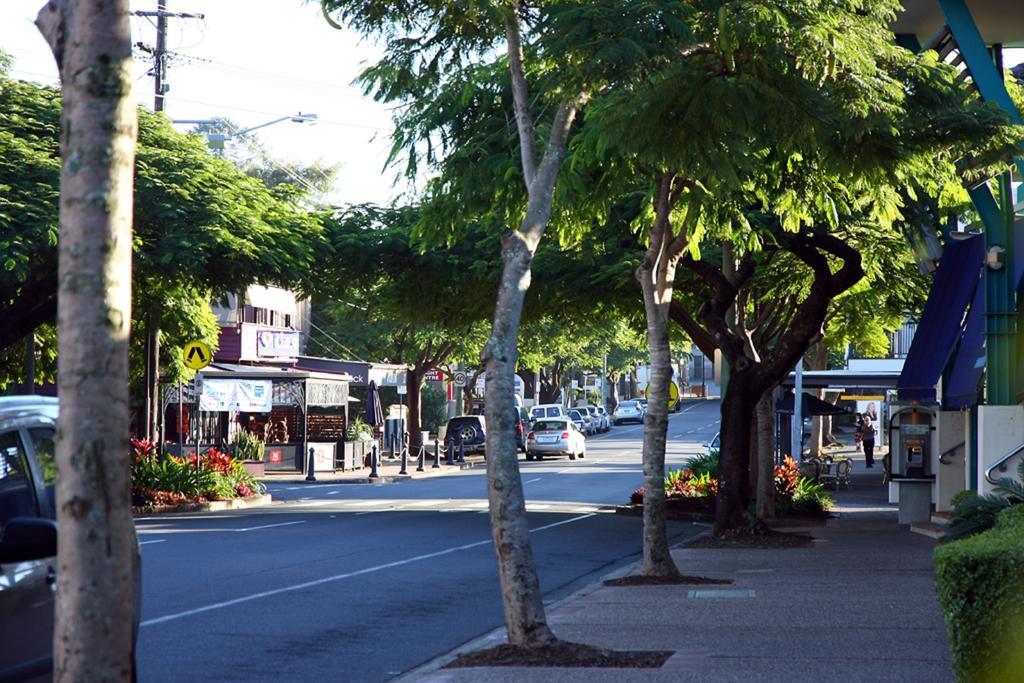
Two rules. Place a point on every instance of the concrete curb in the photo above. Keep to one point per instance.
(259, 500)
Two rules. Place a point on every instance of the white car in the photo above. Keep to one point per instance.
(581, 418)
(629, 411)
(600, 418)
(555, 436)
(539, 412)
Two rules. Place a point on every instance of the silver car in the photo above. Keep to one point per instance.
(555, 436)
(600, 419)
(28, 538)
(629, 411)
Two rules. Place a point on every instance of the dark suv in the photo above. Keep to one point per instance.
(28, 537)
(470, 430)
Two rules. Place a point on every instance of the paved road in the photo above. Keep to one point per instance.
(363, 582)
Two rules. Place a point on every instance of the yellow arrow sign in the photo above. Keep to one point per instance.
(673, 393)
(197, 355)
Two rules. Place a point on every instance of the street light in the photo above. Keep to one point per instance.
(217, 140)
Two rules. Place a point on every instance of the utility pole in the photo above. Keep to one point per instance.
(152, 375)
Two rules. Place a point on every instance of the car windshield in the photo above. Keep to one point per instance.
(575, 414)
(550, 426)
(628, 404)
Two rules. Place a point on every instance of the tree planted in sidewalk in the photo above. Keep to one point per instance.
(440, 54)
(94, 630)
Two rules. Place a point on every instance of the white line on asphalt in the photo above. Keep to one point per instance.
(339, 577)
(271, 526)
(332, 493)
(531, 481)
(314, 504)
(146, 542)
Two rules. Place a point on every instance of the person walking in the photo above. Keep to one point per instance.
(868, 439)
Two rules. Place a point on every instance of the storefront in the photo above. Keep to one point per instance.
(292, 411)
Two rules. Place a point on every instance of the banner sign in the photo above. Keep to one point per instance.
(277, 343)
(434, 376)
(242, 395)
(482, 379)
(326, 392)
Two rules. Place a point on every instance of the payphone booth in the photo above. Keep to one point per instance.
(911, 431)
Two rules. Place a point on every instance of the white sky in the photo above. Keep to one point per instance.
(251, 61)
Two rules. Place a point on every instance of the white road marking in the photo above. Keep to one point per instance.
(531, 481)
(338, 577)
(271, 526)
(314, 504)
(162, 540)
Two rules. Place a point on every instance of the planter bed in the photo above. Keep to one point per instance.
(258, 500)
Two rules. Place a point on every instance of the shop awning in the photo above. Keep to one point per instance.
(942, 322)
(811, 405)
(963, 385)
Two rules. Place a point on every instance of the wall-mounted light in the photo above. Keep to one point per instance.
(995, 257)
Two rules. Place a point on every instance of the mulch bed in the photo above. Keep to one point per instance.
(562, 654)
(698, 509)
(767, 540)
(641, 580)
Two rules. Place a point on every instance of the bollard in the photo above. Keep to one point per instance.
(419, 459)
(405, 462)
(373, 463)
(312, 466)
(449, 453)
(437, 456)
(462, 451)
(391, 444)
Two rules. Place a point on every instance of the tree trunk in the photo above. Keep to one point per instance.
(96, 559)
(413, 382)
(613, 383)
(753, 462)
(733, 493)
(657, 557)
(765, 457)
(817, 360)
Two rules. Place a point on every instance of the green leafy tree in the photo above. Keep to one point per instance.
(202, 229)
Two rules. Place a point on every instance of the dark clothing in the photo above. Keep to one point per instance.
(869, 445)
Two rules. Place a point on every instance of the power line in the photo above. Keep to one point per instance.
(343, 347)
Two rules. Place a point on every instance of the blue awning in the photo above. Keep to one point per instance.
(963, 384)
(942, 322)
(961, 389)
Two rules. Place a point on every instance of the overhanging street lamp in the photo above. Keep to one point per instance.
(217, 140)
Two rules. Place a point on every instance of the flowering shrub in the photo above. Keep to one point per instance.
(686, 484)
(787, 475)
(638, 496)
(174, 480)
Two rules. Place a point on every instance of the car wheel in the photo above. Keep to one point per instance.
(572, 455)
(538, 457)
(583, 452)
(529, 456)
(467, 433)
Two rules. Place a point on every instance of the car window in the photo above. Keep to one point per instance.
(17, 498)
(549, 425)
(628, 404)
(575, 414)
(42, 444)
(551, 412)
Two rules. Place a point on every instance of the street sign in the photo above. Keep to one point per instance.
(197, 355)
(460, 378)
(402, 389)
(673, 393)
(433, 376)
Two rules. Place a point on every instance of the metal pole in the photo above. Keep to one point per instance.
(305, 415)
(604, 380)
(437, 455)
(798, 416)
(373, 463)
(181, 421)
(420, 458)
(462, 451)
(449, 455)
(311, 476)
(405, 462)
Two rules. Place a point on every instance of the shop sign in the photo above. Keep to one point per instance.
(321, 392)
(277, 343)
(274, 455)
(236, 395)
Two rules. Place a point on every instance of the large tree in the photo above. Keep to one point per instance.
(96, 557)
(202, 229)
(430, 47)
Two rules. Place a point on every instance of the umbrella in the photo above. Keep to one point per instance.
(374, 415)
(811, 405)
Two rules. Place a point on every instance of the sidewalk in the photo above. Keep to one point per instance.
(859, 605)
(388, 470)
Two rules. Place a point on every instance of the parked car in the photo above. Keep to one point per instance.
(629, 411)
(581, 418)
(600, 419)
(470, 430)
(643, 402)
(714, 444)
(28, 538)
(520, 432)
(544, 410)
(555, 436)
(607, 417)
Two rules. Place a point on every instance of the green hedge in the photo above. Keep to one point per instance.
(980, 583)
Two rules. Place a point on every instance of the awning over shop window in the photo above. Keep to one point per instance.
(942, 322)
